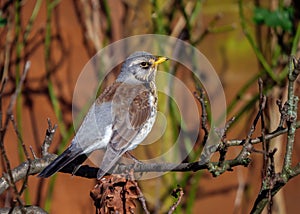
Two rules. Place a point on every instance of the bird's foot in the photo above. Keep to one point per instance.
(128, 154)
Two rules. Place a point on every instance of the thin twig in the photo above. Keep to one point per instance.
(248, 145)
(140, 193)
(257, 140)
(223, 147)
(48, 138)
(4, 128)
(32, 152)
(265, 144)
(24, 186)
(8, 45)
(283, 113)
(292, 103)
(204, 120)
(208, 28)
(177, 193)
(278, 181)
(271, 178)
(37, 165)
(12, 119)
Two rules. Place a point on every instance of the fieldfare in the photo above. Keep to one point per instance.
(119, 119)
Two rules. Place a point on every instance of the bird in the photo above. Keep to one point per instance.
(119, 119)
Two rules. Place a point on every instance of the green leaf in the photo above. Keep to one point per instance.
(260, 15)
(3, 22)
(279, 18)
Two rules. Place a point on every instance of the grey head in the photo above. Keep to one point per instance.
(140, 67)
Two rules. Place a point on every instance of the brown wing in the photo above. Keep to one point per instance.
(132, 109)
(108, 94)
(140, 109)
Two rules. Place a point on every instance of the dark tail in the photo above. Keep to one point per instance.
(66, 158)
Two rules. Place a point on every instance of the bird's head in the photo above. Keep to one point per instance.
(140, 67)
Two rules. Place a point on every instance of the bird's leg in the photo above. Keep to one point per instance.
(133, 158)
(136, 161)
(76, 169)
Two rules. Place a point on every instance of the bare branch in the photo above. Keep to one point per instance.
(20, 210)
(20, 172)
(32, 152)
(292, 104)
(48, 138)
(223, 147)
(204, 121)
(140, 194)
(177, 193)
(274, 182)
(4, 128)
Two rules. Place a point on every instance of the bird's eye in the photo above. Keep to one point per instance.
(144, 64)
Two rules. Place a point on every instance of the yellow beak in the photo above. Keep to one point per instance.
(160, 59)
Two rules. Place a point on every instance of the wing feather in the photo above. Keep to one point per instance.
(132, 109)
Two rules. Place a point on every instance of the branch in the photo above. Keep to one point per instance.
(91, 172)
(20, 210)
(9, 115)
(292, 104)
(289, 115)
(37, 165)
(21, 171)
(31, 167)
(177, 193)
